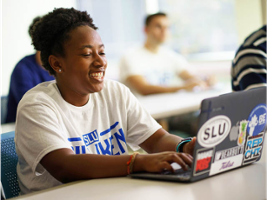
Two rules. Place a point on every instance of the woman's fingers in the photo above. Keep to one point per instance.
(187, 158)
(165, 166)
(162, 161)
(182, 159)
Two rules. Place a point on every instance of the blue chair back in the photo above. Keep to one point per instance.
(4, 100)
(9, 160)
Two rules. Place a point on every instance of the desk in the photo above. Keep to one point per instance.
(173, 104)
(7, 127)
(166, 105)
(246, 183)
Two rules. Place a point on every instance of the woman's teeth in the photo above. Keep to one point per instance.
(98, 75)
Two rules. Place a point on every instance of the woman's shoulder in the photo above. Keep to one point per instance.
(40, 93)
(114, 87)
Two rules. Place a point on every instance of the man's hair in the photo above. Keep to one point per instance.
(51, 32)
(150, 17)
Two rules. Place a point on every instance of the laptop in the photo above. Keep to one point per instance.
(230, 135)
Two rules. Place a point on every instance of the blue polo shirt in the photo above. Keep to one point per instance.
(26, 74)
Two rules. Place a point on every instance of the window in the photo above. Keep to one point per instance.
(206, 26)
(199, 29)
(120, 23)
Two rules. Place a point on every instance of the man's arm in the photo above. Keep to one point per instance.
(187, 76)
(139, 83)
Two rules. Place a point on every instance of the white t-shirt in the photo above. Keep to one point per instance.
(45, 122)
(159, 68)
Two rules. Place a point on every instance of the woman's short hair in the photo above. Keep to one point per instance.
(49, 34)
(36, 19)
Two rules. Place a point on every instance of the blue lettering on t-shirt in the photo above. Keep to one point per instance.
(97, 150)
(119, 138)
(104, 146)
(108, 130)
(79, 149)
(112, 146)
(90, 138)
(105, 151)
(74, 139)
(107, 148)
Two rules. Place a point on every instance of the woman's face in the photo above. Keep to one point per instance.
(84, 64)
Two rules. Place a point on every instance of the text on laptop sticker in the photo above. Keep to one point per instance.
(203, 161)
(214, 131)
(257, 120)
(255, 126)
(253, 148)
(227, 159)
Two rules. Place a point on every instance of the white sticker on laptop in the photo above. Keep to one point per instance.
(214, 131)
(226, 164)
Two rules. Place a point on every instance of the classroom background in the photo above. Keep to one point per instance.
(206, 32)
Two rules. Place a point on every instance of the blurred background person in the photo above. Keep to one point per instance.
(249, 65)
(152, 68)
(27, 73)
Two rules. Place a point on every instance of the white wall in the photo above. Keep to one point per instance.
(249, 17)
(17, 15)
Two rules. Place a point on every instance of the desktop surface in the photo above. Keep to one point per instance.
(173, 104)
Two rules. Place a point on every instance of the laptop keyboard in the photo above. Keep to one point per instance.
(178, 172)
(176, 175)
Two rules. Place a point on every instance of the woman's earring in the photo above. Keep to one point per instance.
(59, 70)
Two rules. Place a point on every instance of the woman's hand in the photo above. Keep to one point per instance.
(189, 147)
(158, 162)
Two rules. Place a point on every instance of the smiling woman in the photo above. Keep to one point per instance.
(83, 65)
(72, 128)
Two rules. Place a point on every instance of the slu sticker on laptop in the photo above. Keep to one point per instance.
(214, 131)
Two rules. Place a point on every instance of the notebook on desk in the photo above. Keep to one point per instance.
(230, 135)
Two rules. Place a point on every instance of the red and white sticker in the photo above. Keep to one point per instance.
(203, 161)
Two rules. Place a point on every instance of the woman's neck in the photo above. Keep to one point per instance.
(71, 96)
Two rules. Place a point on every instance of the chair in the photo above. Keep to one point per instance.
(4, 100)
(9, 160)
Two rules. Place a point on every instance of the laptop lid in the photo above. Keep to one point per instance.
(231, 132)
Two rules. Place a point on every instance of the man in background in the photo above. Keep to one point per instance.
(152, 68)
(26, 74)
(249, 65)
